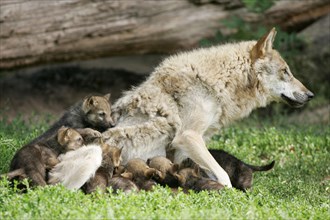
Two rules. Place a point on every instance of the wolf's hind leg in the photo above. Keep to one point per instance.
(191, 144)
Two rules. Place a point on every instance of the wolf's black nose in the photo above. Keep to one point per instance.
(310, 95)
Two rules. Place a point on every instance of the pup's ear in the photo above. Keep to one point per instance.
(158, 175)
(196, 170)
(127, 175)
(88, 103)
(62, 135)
(150, 172)
(107, 96)
(264, 45)
(180, 178)
(175, 167)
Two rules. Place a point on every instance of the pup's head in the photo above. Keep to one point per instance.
(69, 138)
(167, 170)
(164, 165)
(139, 169)
(114, 153)
(187, 173)
(274, 74)
(97, 111)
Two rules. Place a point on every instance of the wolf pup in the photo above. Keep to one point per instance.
(191, 95)
(240, 173)
(119, 183)
(167, 170)
(32, 161)
(91, 115)
(111, 158)
(190, 178)
(141, 174)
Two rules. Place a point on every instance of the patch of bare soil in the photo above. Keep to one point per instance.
(52, 90)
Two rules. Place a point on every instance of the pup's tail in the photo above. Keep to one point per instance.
(12, 174)
(262, 168)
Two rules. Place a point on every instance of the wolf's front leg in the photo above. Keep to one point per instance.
(191, 144)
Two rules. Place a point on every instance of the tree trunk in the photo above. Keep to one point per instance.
(47, 31)
(35, 31)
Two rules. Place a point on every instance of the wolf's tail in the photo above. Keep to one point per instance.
(262, 168)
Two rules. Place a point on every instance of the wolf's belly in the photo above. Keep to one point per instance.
(140, 136)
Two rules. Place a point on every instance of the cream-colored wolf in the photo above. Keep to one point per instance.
(192, 95)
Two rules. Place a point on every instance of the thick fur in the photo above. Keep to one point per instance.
(191, 179)
(34, 160)
(119, 183)
(141, 174)
(167, 171)
(77, 167)
(93, 113)
(190, 96)
(111, 160)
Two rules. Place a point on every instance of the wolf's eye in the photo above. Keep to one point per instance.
(286, 72)
(102, 114)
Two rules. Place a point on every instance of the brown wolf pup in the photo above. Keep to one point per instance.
(92, 113)
(32, 161)
(141, 174)
(124, 182)
(167, 170)
(119, 183)
(190, 178)
(111, 158)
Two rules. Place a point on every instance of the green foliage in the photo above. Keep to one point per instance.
(258, 6)
(294, 189)
(288, 43)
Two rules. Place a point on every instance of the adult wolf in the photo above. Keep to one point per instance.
(191, 95)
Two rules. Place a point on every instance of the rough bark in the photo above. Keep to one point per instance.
(295, 15)
(35, 31)
(41, 31)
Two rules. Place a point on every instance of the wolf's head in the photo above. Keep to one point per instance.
(274, 74)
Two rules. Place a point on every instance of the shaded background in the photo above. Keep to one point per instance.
(53, 53)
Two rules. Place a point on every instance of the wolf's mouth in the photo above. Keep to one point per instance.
(292, 102)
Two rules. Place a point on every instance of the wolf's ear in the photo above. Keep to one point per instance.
(107, 96)
(264, 45)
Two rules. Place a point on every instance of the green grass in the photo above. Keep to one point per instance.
(294, 189)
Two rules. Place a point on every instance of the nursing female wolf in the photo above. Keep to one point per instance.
(192, 95)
